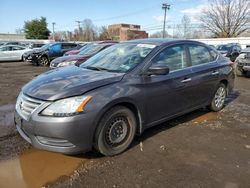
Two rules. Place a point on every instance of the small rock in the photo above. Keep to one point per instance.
(247, 146)
(162, 147)
(141, 146)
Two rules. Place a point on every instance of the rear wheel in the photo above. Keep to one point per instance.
(219, 98)
(115, 131)
(43, 61)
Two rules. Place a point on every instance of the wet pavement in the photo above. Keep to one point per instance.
(200, 149)
(7, 120)
(34, 168)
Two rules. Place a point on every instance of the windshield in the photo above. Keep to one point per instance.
(91, 49)
(119, 58)
(224, 47)
(45, 46)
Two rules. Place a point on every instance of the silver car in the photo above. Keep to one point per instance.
(12, 52)
(243, 63)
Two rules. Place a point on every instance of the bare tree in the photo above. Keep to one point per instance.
(104, 33)
(186, 26)
(159, 34)
(226, 18)
(184, 29)
(88, 30)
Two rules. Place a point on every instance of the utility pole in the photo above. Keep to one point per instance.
(53, 29)
(166, 7)
(79, 29)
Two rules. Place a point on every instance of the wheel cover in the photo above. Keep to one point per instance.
(117, 131)
(220, 96)
(44, 61)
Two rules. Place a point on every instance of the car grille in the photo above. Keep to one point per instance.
(244, 64)
(25, 105)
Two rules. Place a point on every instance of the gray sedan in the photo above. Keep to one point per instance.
(12, 52)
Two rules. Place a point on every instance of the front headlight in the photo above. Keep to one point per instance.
(66, 63)
(67, 107)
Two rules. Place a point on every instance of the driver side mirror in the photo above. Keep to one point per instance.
(158, 70)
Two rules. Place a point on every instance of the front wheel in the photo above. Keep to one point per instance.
(219, 98)
(43, 61)
(116, 131)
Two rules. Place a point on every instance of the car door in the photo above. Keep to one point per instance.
(3, 53)
(8, 54)
(55, 50)
(168, 95)
(205, 73)
(17, 52)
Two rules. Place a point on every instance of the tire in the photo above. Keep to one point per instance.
(115, 131)
(43, 61)
(219, 98)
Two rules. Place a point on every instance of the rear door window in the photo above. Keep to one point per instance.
(199, 54)
(14, 48)
(66, 46)
(175, 57)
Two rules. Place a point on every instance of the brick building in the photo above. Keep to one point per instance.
(123, 32)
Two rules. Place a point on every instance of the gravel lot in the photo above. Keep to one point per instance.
(200, 149)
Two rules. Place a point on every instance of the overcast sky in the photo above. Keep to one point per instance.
(147, 13)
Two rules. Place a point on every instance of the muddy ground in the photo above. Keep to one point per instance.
(200, 149)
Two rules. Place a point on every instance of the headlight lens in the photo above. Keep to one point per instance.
(66, 63)
(67, 107)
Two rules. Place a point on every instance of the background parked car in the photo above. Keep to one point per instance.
(243, 62)
(89, 51)
(48, 52)
(12, 52)
(11, 43)
(231, 50)
(75, 52)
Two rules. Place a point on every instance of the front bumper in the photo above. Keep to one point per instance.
(244, 65)
(31, 58)
(69, 135)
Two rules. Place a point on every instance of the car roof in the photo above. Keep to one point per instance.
(11, 45)
(161, 41)
(246, 50)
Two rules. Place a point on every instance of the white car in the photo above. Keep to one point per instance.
(12, 52)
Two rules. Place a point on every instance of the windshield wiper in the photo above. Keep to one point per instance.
(96, 68)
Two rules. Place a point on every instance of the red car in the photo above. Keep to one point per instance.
(89, 51)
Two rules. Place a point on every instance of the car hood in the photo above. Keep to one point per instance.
(35, 51)
(67, 58)
(68, 81)
(72, 52)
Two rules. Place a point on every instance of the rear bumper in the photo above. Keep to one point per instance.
(69, 135)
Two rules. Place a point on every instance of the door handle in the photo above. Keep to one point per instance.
(215, 73)
(186, 80)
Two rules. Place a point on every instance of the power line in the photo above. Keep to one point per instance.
(125, 15)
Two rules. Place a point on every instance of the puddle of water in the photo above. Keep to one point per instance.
(206, 117)
(35, 168)
(7, 115)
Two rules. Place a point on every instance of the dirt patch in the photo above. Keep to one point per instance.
(200, 149)
(13, 77)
